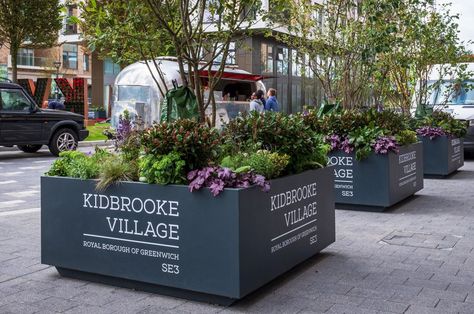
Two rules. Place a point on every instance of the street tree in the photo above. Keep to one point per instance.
(198, 33)
(31, 24)
(375, 51)
(124, 31)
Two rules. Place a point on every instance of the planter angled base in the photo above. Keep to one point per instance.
(191, 245)
(377, 182)
(146, 287)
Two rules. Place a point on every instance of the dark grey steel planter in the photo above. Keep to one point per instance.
(379, 181)
(442, 155)
(204, 248)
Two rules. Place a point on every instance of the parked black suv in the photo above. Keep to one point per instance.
(23, 124)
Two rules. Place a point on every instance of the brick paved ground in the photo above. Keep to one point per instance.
(417, 258)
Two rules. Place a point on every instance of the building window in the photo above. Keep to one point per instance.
(230, 60)
(70, 56)
(26, 57)
(296, 63)
(308, 71)
(70, 28)
(110, 67)
(210, 12)
(85, 64)
(282, 60)
(267, 58)
(231, 54)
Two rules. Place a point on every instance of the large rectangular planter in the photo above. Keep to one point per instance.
(442, 155)
(379, 181)
(168, 240)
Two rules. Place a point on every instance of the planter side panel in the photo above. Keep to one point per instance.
(187, 241)
(442, 155)
(364, 182)
(406, 172)
(293, 222)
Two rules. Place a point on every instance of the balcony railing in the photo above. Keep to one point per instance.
(28, 61)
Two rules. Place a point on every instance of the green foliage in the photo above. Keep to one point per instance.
(364, 138)
(263, 162)
(123, 31)
(33, 24)
(162, 169)
(279, 133)
(114, 169)
(76, 164)
(406, 137)
(359, 130)
(197, 144)
(373, 52)
(446, 121)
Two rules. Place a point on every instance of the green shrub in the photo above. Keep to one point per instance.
(76, 164)
(277, 132)
(263, 162)
(197, 144)
(363, 131)
(446, 121)
(164, 169)
(406, 137)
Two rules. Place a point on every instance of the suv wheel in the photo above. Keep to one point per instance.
(63, 140)
(29, 148)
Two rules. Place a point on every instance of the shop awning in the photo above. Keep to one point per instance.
(234, 76)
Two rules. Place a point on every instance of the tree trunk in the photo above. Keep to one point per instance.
(14, 53)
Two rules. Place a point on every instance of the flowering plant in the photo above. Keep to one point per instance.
(218, 178)
(385, 144)
(440, 123)
(431, 132)
(363, 132)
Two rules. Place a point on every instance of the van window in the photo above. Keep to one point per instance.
(452, 93)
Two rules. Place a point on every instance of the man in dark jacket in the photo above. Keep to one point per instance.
(272, 103)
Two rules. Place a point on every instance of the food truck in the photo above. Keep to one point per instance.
(136, 90)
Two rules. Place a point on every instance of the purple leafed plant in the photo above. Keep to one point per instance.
(124, 129)
(334, 140)
(346, 146)
(339, 142)
(431, 132)
(385, 144)
(218, 178)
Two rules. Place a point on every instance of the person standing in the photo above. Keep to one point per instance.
(256, 104)
(272, 103)
(261, 95)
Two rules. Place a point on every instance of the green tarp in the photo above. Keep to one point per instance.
(179, 103)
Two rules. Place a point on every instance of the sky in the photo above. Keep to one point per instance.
(465, 9)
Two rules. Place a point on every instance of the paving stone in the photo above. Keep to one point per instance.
(453, 306)
(16, 308)
(444, 295)
(433, 284)
(416, 309)
(345, 309)
(386, 306)
(89, 309)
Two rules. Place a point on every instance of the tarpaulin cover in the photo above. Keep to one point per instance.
(179, 103)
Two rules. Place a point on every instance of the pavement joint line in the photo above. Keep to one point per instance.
(26, 274)
(19, 212)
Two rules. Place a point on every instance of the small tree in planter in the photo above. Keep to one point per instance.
(442, 137)
(210, 247)
(375, 156)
